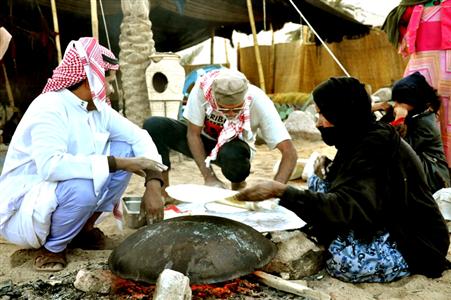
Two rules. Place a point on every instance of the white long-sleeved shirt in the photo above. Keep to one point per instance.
(59, 139)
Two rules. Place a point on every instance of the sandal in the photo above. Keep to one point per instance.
(93, 239)
(46, 261)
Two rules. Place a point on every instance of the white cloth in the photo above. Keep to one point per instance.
(443, 199)
(59, 139)
(5, 38)
(263, 116)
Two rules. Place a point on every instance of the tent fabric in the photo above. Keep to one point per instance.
(31, 56)
(300, 67)
(176, 30)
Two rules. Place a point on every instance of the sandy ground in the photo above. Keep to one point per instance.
(17, 264)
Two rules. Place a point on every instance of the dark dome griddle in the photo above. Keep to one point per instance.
(207, 249)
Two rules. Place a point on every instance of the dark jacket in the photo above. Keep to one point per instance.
(378, 185)
(424, 137)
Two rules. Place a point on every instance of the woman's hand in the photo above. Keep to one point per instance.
(262, 191)
(401, 110)
(321, 166)
(384, 106)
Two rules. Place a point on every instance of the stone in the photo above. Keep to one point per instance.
(297, 256)
(93, 281)
(172, 285)
(301, 124)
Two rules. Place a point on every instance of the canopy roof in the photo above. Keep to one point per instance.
(176, 25)
(179, 24)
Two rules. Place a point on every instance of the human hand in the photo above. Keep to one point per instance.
(400, 110)
(402, 129)
(384, 106)
(138, 165)
(214, 181)
(262, 191)
(321, 166)
(153, 203)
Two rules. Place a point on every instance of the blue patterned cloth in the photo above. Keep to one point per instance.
(354, 261)
(378, 261)
(317, 184)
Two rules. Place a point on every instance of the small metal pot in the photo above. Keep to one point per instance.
(134, 216)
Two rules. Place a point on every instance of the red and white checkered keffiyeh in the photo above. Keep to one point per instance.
(232, 128)
(83, 59)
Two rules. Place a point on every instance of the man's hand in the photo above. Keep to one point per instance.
(288, 161)
(153, 203)
(196, 146)
(212, 180)
(262, 191)
(137, 165)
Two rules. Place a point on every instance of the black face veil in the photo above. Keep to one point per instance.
(344, 102)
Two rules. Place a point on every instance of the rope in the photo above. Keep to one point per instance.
(104, 25)
(109, 47)
(320, 39)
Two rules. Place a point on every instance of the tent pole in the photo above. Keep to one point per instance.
(212, 46)
(226, 53)
(272, 61)
(119, 92)
(320, 39)
(9, 91)
(94, 20)
(238, 57)
(56, 29)
(261, 76)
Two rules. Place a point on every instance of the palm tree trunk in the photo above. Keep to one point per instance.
(136, 45)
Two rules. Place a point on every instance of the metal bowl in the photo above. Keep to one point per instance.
(133, 216)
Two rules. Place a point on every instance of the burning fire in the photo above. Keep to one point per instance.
(130, 290)
(124, 289)
(222, 290)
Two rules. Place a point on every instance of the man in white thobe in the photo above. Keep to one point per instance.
(71, 158)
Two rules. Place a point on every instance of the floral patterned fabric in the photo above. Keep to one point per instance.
(378, 261)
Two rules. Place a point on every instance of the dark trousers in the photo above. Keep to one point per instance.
(233, 157)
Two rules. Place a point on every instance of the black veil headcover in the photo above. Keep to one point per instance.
(344, 102)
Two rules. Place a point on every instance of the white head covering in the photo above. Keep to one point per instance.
(84, 59)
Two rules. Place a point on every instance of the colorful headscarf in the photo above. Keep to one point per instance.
(391, 22)
(83, 59)
(231, 128)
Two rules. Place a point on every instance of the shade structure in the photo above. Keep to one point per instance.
(179, 24)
